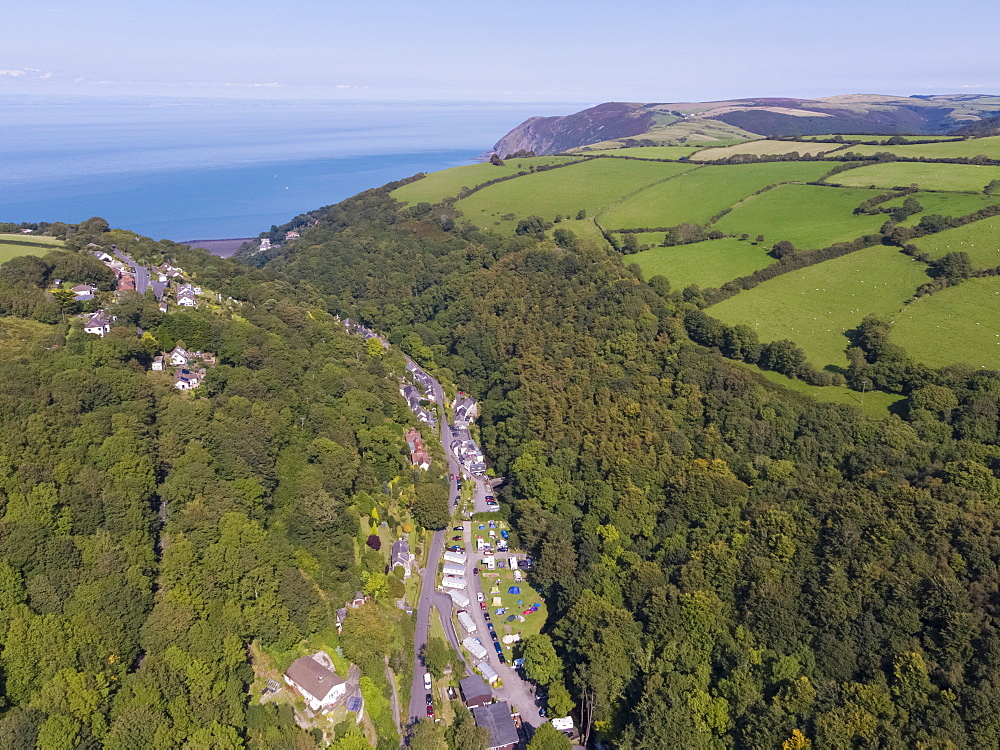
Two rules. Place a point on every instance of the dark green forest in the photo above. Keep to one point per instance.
(152, 541)
(728, 564)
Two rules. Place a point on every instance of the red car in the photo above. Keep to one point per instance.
(482, 606)
(430, 710)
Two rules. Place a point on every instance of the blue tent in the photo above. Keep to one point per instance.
(514, 590)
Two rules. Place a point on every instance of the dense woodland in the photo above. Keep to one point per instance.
(727, 564)
(151, 541)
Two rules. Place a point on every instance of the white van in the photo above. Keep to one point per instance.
(427, 680)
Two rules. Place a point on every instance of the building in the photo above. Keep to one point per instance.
(292, 235)
(497, 719)
(185, 380)
(179, 356)
(320, 686)
(83, 292)
(475, 692)
(158, 363)
(97, 324)
(419, 456)
(401, 556)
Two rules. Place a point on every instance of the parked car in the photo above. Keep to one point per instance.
(489, 625)
(430, 699)
(475, 571)
(427, 680)
(498, 647)
(494, 636)
(500, 656)
(456, 548)
(430, 710)
(456, 538)
(481, 596)
(459, 528)
(482, 606)
(487, 616)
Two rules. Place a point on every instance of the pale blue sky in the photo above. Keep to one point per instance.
(500, 51)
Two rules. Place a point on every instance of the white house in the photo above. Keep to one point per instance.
(179, 356)
(320, 687)
(97, 324)
(158, 363)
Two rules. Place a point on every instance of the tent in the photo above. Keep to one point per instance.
(496, 601)
(514, 590)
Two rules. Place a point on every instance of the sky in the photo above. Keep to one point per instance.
(448, 50)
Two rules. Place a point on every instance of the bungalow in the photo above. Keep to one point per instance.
(126, 283)
(401, 556)
(497, 719)
(320, 686)
(102, 256)
(83, 292)
(97, 324)
(158, 363)
(186, 299)
(475, 692)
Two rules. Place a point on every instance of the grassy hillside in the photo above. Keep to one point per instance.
(989, 147)
(708, 263)
(958, 324)
(644, 152)
(768, 148)
(966, 177)
(16, 245)
(592, 186)
(815, 306)
(700, 194)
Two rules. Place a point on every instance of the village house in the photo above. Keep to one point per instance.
(401, 556)
(158, 363)
(179, 356)
(126, 283)
(419, 456)
(475, 692)
(102, 256)
(497, 719)
(97, 324)
(358, 600)
(292, 235)
(186, 380)
(83, 292)
(319, 685)
(186, 299)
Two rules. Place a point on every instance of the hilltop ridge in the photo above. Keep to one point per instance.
(740, 119)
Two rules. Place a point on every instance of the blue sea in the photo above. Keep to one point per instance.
(212, 169)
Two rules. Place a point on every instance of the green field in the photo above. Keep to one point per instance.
(981, 240)
(586, 229)
(927, 176)
(814, 306)
(768, 148)
(703, 192)
(439, 185)
(873, 403)
(644, 152)
(9, 250)
(972, 147)
(808, 216)
(709, 263)
(35, 239)
(957, 324)
(592, 185)
(946, 204)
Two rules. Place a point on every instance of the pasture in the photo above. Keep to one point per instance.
(767, 148)
(980, 239)
(698, 195)
(957, 324)
(9, 250)
(644, 152)
(873, 403)
(709, 263)
(968, 177)
(808, 216)
(437, 186)
(989, 146)
(946, 204)
(591, 186)
(35, 239)
(815, 306)
(879, 138)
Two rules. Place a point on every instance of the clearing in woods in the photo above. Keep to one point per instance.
(808, 216)
(815, 306)
(708, 264)
(927, 176)
(702, 193)
(957, 324)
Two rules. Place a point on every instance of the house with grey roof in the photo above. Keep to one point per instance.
(497, 719)
(475, 692)
(401, 556)
(319, 685)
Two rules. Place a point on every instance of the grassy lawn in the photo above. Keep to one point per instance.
(808, 216)
(989, 146)
(873, 403)
(814, 306)
(439, 185)
(647, 152)
(701, 193)
(593, 185)
(709, 263)
(532, 624)
(981, 240)
(928, 176)
(768, 148)
(958, 324)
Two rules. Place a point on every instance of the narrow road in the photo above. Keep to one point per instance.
(141, 274)
(395, 694)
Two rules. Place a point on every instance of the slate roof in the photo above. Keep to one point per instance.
(313, 677)
(496, 717)
(473, 688)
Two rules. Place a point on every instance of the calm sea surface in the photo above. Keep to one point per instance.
(187, 170)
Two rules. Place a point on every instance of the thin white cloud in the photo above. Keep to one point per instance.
(25, 73)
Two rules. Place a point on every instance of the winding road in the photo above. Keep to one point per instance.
(141, 273)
